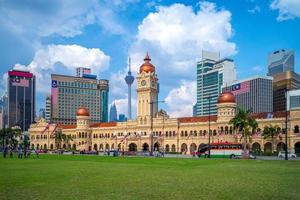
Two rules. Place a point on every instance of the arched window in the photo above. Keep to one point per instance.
(296, 129)
(51, 146)
(167, 148)
(167, 134)
(195, 133)
(181, 134)
(200, 133)
(174, 134)
(95, 147)
(185, 133)
(215, 132)
(226, 130)
(173, 149)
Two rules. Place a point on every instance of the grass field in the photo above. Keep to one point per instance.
(93, 177)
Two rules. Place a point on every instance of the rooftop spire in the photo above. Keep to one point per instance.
(147, 57)
(129, 64)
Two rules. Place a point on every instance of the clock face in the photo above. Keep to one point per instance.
(143, 83)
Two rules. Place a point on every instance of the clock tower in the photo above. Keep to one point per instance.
(147, 92)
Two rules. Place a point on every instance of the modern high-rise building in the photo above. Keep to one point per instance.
(71, 92)
(5, 110)
(42, 113)
(213, 73)
(293, 99)
(113, 114)
(21, 99)
(48, 108)
(122, 118)
(283, 82)
(254, 94)
(104, 88)
(281, 66)
(80, 71)
(129, 80)
(281, 61)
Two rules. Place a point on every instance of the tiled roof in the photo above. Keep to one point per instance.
(267, 115)
(197, 119)
(67, 126)
(104, 124)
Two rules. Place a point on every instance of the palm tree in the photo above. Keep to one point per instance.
(271, 132)
(61, 137)
(58, 138)
(246, 125)
(9, 137)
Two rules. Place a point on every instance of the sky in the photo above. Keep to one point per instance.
(57, 36)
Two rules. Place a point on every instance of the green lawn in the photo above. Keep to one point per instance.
(93, 177)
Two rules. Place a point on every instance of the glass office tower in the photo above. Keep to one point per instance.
(21, 99)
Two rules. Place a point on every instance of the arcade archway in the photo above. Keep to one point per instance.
(132, 147)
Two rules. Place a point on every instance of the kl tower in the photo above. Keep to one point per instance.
(129, 80)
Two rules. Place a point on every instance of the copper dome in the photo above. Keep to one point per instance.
(82, 112)
(147, 66)
(226, 97)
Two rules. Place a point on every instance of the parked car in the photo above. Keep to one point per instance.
(281, 154)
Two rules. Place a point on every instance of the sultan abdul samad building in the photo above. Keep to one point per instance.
(171, 134)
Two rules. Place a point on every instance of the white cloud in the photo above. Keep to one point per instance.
(64, 18)
(181, 100)
(288, 9)
(254, 10)
(121, 105)
(257, 68)
(63, 59)
(175, 37)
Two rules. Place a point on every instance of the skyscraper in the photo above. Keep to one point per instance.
(104, 89)
(113, 114)
(280, 61)
(71, 92)
(212, 75)
(129, 80)
(21, 99)
(42, 113)
(281, 66)
(283, 82)
(48, 108)
(254, 94)
(5, 110)
(293, 100)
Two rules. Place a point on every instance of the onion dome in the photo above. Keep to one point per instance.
(226, 97)
(82, 112)
(147, 66)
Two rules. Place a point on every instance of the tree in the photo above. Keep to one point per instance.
(9, 137)
(245, 124)
(61, 137)
(271, 132)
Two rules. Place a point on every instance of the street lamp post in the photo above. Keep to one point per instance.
(209, 133)
(151, 125)
(286, 125)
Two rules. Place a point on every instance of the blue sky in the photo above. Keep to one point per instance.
(56, 36)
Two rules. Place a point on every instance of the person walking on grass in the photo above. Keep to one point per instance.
(5, 151)
(11, 152)
(20, 152)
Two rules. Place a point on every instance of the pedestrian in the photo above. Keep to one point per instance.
(11, 153)
(5, 151)
(20, 152)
